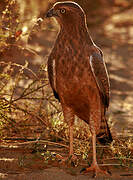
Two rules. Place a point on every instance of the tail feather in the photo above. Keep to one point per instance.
(104, 136)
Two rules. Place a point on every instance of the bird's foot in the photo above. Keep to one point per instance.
(70, 160)
(96, 170)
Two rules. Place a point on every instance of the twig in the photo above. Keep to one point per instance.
(117, 158)
(19, 139)
(54, 105)
(15, 106)
(10, 120)
(128, 174)
(32, 141)
(19, 65)
(109, 164)
(24, 95)
(31, 114)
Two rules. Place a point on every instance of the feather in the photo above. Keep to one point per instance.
(52, 76)
(101, 76)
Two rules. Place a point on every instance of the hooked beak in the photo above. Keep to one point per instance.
(51, 13)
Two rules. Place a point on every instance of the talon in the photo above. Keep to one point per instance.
(109, 172)
(59, 160)
(69, 158)
(94, 175)
(72, 159)
(82, 170)
(96, 170)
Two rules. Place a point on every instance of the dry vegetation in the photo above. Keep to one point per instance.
(30, 117)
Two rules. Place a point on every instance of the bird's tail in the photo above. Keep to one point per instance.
(104, 136)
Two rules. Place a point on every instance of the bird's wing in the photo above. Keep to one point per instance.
(101, 76)
(52, 75)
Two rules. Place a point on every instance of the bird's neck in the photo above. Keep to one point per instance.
(76, 32)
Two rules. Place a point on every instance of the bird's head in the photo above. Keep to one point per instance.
(67, 13)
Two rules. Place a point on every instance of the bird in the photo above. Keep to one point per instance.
(78, 76)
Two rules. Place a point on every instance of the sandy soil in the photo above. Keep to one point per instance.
(20, 164)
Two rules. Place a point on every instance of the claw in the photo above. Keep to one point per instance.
(82, 170)
(96, 170)
(72, 159)
(109, 172)
(94, 175)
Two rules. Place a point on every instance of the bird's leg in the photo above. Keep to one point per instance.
(70, 123)
(94, 166)
(69, 118)
(94, 163)
(94, 127)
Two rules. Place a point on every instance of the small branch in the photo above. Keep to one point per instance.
(128, 174)
(30, 113)
(117, 158)
(24, 95)
(21, 66)
(25, 111)
(54, 106)
(32, 141)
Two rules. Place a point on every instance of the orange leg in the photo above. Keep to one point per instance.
(95, 122)
(94, 166)
(69, 118)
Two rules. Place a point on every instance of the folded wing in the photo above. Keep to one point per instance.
(101, 76)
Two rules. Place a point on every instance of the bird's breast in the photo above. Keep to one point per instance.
(73, 74)
(75, 82)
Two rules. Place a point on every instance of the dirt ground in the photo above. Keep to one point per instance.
(21, 163)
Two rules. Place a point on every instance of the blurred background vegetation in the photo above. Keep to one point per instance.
(28, 110)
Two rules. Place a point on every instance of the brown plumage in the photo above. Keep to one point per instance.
(78, 75)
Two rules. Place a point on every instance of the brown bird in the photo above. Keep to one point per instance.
(78, 75)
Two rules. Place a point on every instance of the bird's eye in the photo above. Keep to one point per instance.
(62, 11)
